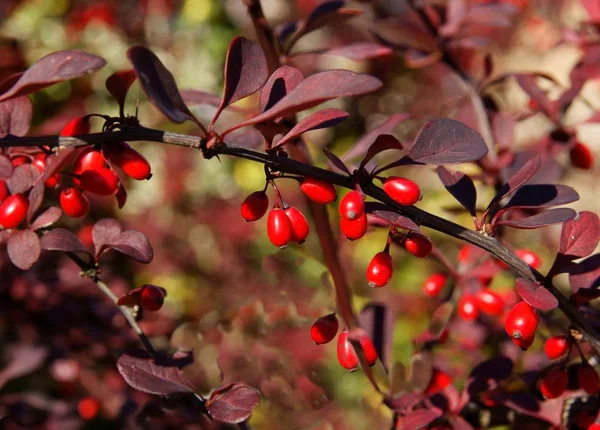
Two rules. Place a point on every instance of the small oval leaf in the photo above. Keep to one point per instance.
(553, 216)
(461, 187)
(383, 212)
(15, 116)
(61, 239)
(536, 295)
(580, 237)
(50, 216)
(24, 249)
(321, 119)
(134, 244)
(233, 405)
(104, 231)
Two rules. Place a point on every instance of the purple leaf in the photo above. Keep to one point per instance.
(159, 85)
(321, 119)
(421, 371)
(118, 85)
(144, 373)
(50, 216)
(233, 404)
(536, 295)
(580, 237)
(61, 239)
(550, 170)
(55, 67)
(15, 116)
(461, 186)
(279, 84)
(245, 72)
(387, 127)
(553, 216)
(22, 359)
(497, 368)
(315, 90)
(335, 161)
(23, 178)
(134, 244)
(383, 142)
(586, 274)
(103, 232)
(418, 419)
(524, 174)
(198, 97)
(456, 12)
(121, 196)
(541, 196)
(360, 51)
(440, 319)
(6, 167)
(24, 249)
(527, 84)
(417, 59)
(459, 423)
(383, 212)
(36, 197)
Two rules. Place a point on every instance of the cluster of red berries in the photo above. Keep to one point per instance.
(148, 297)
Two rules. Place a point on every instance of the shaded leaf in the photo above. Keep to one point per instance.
(360, 51)
(586, 274)
(55, 67)
(418, 418)
(134, 244)
(103, 232)
(118, 85)
(455, 15)
(335, 161)
(6, 167)
(22, 359)
(24, 249)
(549, 172)
(536, 295)
(50, 216)
(553, 216)
(383, 212)
(361, 147)
(518, 179)
(378, 320)
(421, 371)
(541, 196)
(503, 129)
(233, 404)
(461, 187)
(397, 378)
(61, 239)
(527, 84)
(281, 82)
(417, 59)
(23, 178)
(497, 368)
(580, 237)
(15, 116)
(320, 119)
(383, 142)
(36, 197)
(440, 318)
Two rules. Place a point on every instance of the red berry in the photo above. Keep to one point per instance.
(402, 190)
(255, 206)
(4, 193)
(152, 298)
(467, 307)
(318, 191)
(352, 205)
(88, 408)
(490, 302)
(554, 383)
(439, 381)
(88, 159)
(594, 426)
(529, 257)
(524, 344)
(588, 379)
(298, 223)
(13, 211)
(279, 228)
(40, 161)
(556, 346)
(418, 245)
(101, 181)
(346, 355)
(19, 160)
(354, 229)
(76, 127)
(74, 203)
(324, 329)
(581, 156)
(380, 270)
(434, 284)
(132, 163)
(522, 321)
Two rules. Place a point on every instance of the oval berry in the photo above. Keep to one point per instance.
(4, 193)
(402, 190)
(556, 346)
(588, 379)
(88, 408)
(524, 344)
(490, 302)
(522, 321)
(346, 355)
(554, 383)
(320, 192)
(434, 284)
(439, 381)
(324, 329)
(76, 127)
(279, 228)
(88, 159)
(101, 181)
(352, 205)
(152, 298)
(581, 156)
(255, 206)
(354, 229)
(380, 270)
(299, 224)
(74, 203)
(467, 307)
(13, 211)
(529, 257)
(132, 163)
(418, 245)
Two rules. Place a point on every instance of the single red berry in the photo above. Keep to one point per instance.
(402, 190)
(594, 426)
(255, 206)
(299, 224)
(19, 160)
(354, 229)
(320, 192)
(524, 344)
(434, 284)
(74, 203)
(522, 321)
(467, 307)
(556, 346)
(88, 159)
(490, 302)
(581, 156)
(88, 408)
(346, 355)
(324, 329)
(380, 270)
(4, 193)
(529, 257)
(352, 205)
(76, 127)
(152, 298)
(439, 381)
(588, 379)
(418, 245)
(101, 181)
(279, 228)
(13, 211)
(132, 163)
(554, 383)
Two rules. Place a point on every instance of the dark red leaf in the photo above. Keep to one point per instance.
(320, 119)
(36, 197)
(503, 129)
(360, 148)
(245, 72)
(9, 81)
(417, 59)
(234, 404)
(279, 84)
(6, 167)
(456, 12)
(553, 216)
(24, 249)
(383, 142)
(461, 186)
(360, 51)
(497, 368)
(421, 371)
(527, 84)
(23, 178)
(335, 161)
(536, 295)
(121, 196)
(197, 97)
(22, 359)
(518, 179)
(541, 196)
(440, 319)
(105, 231)
(50, 216)
(549, 171)
(15, 116)
(134, 244)
(580, 237)
(56, 162)
(586, 274)
(61, 239)
(118, 85)
(144, 373)
(418, 419)
(383, 212)
(55, 67)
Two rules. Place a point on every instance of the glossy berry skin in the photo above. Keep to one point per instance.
(102, 181)
(255, 206)
(88, 408)
(354, 229)
(74, 203)
(19, 160)
(556, 346)
(346, 355)
(554, 383)
(418, 245)
(467, 307)
(529, 257)
(152, 298)
(132, 163)
(522, 321)
(524, 344)
(594, 426)
(324, 329)
(380, 270)
(4, 193)
(588, 379)
(279, 228)
(490, 302)
(434, 284)
(320, 192)
(299, 224)
(76, 126)
(88, 159)
(402, 190)
(40, 162)
(439, 381)
(352, 205)
(13, 211)
(581, 156)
